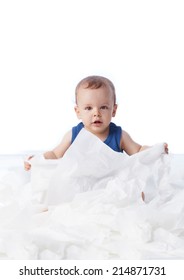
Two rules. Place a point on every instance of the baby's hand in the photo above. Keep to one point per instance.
(27, 164)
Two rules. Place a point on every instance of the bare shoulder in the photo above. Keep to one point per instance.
(128, 144)
(64, 145)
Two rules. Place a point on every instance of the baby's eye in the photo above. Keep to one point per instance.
(104, 107)
(88, 108)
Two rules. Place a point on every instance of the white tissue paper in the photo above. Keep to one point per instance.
(95, 207)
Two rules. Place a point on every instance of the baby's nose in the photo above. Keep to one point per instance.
(96, 112)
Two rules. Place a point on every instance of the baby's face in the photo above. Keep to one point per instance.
(95, 107)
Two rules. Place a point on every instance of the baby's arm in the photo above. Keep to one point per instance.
(56, 153)
(129, 145)
(60, 150)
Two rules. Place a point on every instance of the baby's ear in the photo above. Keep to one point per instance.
(77, 111)
(114, 110)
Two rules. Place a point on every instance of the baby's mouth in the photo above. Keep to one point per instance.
(97, 123)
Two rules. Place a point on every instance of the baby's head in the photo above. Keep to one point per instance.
(95, 82)
(96, 104)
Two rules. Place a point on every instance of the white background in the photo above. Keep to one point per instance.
(48, 46)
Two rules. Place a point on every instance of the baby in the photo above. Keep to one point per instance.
(95, 107)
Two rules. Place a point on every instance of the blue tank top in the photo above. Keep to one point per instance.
(112, 140)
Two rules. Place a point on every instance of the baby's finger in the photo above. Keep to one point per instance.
(166, 148)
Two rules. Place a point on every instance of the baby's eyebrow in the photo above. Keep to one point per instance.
(90, 104)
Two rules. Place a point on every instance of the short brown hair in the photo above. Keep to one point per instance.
(95, 82)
